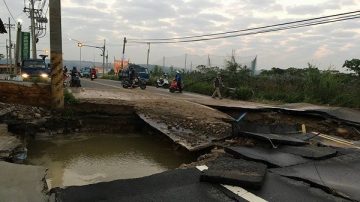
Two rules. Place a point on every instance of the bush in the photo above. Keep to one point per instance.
(243, 93)
(110, 77)
(69, 98)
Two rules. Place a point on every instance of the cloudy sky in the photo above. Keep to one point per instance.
(92, 21)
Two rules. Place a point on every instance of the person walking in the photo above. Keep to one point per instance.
(178, 80)
(217, 84)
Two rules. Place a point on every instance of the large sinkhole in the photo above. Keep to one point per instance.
(83, 158)
(101, 143)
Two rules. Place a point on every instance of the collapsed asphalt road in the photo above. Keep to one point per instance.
(268, 152)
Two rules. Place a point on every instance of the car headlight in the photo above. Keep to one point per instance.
(44, 75)
(25, 75)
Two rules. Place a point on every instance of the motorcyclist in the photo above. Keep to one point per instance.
(93, 72)
(74, 77)
(132, 75)
(178, 80)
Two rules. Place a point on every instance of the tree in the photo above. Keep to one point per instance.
(1, 56)
(353, 65)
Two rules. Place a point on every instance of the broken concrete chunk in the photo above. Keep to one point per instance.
(339, 174)
(22, 182)
(272, 157)
(237, 172)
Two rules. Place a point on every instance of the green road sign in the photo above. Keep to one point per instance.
(25, 45)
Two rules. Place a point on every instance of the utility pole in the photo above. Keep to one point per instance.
(80, 46)
(107, 59)
(57, 94)
(209, 62)
(10, 26)
(103, 54)
(17, 47)
(148, 53)
(123, 53)
(185, 59)
(7, 54)
(164, 63)
(33, 35)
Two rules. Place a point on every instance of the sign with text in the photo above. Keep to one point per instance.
(25, 45)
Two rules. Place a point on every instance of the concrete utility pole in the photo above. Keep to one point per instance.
(80, 46)
(17, 47)
(107, 59)
(33, 35)
(10, 45)
(185, 59)
(148, 53)
(57, 93)
(163, 62)
(10, 26)
(7, 54)
(103, 54)
(123, 56)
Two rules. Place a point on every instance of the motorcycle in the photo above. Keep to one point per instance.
(75, 81)
(162, 82)
(137, 82)
(66, 80)
(174, 87)
(93, 76)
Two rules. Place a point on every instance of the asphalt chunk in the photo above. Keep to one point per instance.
(339, 175)
(238, 172)
(272, 157)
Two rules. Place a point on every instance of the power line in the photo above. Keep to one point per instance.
(293, 26)
(249, 29)
(9, 10)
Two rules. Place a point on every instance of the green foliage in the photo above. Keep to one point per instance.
(243, 93)
(69, 98)
(281, 85)
(111, 72)
(353, 65)
(110, 77)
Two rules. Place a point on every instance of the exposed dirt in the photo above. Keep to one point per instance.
(312, 124)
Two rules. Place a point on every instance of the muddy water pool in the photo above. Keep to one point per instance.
(81, 159)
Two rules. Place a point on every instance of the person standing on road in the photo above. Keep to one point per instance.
(217, 84)
(178, 80)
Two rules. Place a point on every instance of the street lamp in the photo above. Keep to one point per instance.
(102, 48)
(79, 44)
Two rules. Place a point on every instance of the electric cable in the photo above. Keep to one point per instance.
(9, 10)
(258, 32)
(250, 29)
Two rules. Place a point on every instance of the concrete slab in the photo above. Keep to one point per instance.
(176, 185)
(271, 157)
(311, 152)
(8, 142)
(22, 182)
(277, 188)
(184, 137)
(339, 174)
(238, 172)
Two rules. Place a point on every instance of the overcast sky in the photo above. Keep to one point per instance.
(92, 21)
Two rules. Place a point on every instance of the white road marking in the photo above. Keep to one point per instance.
(237, 190)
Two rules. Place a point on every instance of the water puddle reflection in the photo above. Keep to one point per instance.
(82, 159)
